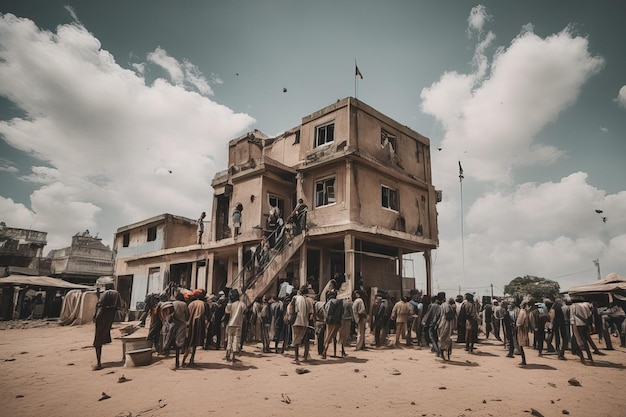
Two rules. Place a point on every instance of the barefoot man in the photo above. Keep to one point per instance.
(110, 301)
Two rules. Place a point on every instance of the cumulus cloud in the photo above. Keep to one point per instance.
(548, 229)
(104, 135)
(492, 116)
(477, 19)
(621, 97)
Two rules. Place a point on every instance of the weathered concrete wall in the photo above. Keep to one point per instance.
(248, 192)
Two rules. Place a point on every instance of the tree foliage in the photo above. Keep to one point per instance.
(534, 287)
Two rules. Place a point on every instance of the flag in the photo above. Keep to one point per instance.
(357, 73)
(460, 171)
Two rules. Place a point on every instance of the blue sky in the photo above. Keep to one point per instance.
(100, 100)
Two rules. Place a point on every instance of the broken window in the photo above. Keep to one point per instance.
(277, 202)
(325, 192)
(389, 198)
(388, 138)
(152, 233)
(324, 134)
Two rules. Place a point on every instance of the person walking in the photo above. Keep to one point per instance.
(360, 318)
(110, 301)
(445, 327)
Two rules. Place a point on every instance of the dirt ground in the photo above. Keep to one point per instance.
(45, 370)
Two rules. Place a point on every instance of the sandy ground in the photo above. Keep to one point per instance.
(45, 370)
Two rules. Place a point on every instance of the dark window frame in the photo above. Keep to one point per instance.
(325, 192)
(389, 198)
(324, 134)
(152, 234)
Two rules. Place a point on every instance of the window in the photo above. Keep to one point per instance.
(389, 198)
(126, 239)
(154, 280)
(277, 202)
(324, 134)
(152, 233)
(387, 138)
(325, 192)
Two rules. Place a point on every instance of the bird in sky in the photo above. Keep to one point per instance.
(599, 211)
(603, 219)
(284, 90)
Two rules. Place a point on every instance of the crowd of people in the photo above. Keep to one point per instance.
(183, 320)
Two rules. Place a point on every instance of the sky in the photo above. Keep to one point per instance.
(114, 112)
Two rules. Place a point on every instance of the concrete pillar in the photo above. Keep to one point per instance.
(210, 259)
(303, 264)
(429, 284)
(348, 247)
(194, 275)
(399, 271)
(324, 267)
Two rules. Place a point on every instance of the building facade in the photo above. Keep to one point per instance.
(84, 261)
(366, 180)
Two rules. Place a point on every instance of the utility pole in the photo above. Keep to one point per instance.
(491, 292)
(596, 262)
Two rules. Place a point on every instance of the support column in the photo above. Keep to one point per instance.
(303, 265)
(240, 265)
(194, 275)
(324, 267)
(210, 259)
(348, 247)
(429, 280)
(399, 271)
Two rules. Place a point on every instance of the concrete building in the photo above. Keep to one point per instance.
(366, 180)
(151, 253)
(21, 251)
(84, 261)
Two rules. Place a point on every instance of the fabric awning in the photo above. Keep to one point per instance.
(40, 281)
(612, 282)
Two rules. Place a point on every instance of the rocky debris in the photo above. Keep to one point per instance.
(105, 396)
(552, 384)
(123, 379)
(574, 382)
(536, 413)
(285, 399)
(443, 388)
(396, 372)
(19, 396)
(564, 412)
(301, 371)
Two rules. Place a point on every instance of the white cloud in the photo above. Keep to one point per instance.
(604, 129)
(7, 166)
(185, 74)
(493, 117)
(477, 19)
(492, 122)
(549, 230)
(105, 136)
(621, 97)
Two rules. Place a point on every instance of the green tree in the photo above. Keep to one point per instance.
(535, 287)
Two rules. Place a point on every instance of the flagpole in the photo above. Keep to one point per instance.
(355, 78)
(461, 176)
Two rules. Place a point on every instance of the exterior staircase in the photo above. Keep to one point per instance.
(260, 284)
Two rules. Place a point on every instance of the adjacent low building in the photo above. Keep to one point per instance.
(84, 261)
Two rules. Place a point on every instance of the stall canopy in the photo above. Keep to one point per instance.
(40, 281)
(611, 289)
